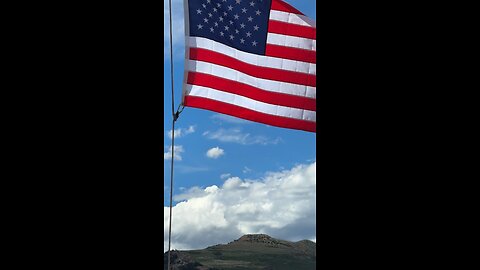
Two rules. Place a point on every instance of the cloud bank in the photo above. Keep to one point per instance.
(281, 204)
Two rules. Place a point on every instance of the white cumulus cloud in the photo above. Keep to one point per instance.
(178, 150)
(280, 204)
(180, 132)
(215, 152)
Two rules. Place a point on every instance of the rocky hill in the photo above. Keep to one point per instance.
(251, 251)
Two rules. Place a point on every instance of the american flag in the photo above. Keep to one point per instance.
(252, 59)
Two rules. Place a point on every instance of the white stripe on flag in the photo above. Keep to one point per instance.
(268, 85)
(205, 92)
(250, 58)
(291, 18)
(291, 41)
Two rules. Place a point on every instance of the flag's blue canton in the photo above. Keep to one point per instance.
(241, 24)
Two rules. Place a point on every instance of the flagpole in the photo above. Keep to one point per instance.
(174, 118)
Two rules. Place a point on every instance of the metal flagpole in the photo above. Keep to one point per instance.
(174, 118)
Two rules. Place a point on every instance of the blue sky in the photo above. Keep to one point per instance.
(220, 155)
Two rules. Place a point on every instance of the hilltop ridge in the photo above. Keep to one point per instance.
(250, 251)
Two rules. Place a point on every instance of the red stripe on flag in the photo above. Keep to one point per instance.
(291, 53)
(253, 70)
(233, 110)
(234, 87)
(290, 29)
(282, 6)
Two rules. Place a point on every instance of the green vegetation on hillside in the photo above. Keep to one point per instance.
(250, 252)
